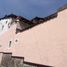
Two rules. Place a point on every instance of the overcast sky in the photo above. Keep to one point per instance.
(30, 8)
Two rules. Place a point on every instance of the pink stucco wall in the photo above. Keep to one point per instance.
(6, 37)
(44, 44)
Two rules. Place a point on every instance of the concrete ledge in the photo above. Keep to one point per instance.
(36, 65)
(6, 52)
(17, 57)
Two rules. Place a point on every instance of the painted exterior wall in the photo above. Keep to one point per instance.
(6, 37)
(43, 44)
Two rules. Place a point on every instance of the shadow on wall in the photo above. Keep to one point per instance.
(25, 24)
(29, 64)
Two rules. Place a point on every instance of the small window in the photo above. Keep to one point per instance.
(0, 45)
(16, 40)
(9, 25)
(9, 43)
(2, 27)
(6, 22)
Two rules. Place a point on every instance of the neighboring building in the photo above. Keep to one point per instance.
(23, 24)
(5, 24)
(37, 20)
(44, 44)
(9, 20)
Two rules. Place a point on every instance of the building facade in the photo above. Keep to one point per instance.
(44, 44)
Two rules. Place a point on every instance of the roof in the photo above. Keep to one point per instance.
(51, 16)
(36, 20)
(24, 19)
(9, 16)
(13, 16)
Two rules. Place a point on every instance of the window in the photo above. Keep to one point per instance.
(9, 43)
(2, 27)
(9, 25)
(6, 22)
